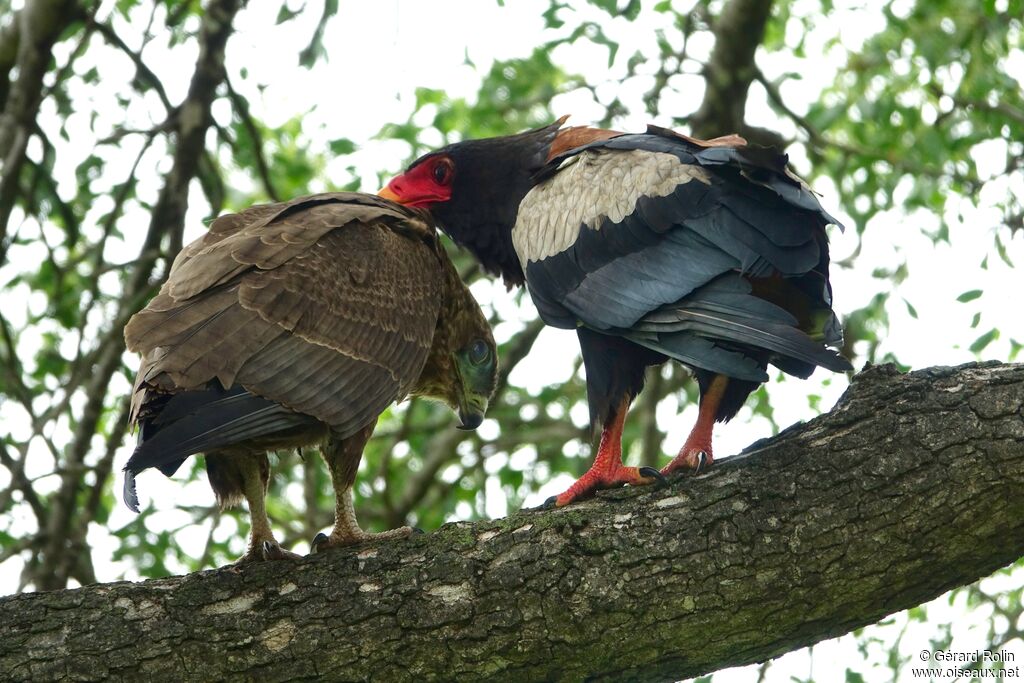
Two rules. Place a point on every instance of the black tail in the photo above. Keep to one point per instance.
(199, 421)
(725, 311)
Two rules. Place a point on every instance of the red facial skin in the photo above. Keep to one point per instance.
(425, 184)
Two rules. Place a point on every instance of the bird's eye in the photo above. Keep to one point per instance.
(479, 352)
(442, 172)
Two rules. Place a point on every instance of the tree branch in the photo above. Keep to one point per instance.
(40, 23)
(241, 107)
(143, 73)
(167, 220)
(739, 31)
(912, 485)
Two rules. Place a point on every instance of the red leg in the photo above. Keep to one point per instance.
(696, 451)
(608, 471)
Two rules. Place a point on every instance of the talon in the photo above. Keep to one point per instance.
(347, 536)
(548, 504)
(693, 462)
(416, 531)
(272, 550)
(660, 479)
(702, 461)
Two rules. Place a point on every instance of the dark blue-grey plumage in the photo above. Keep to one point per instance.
(653, 246)
(726, 275)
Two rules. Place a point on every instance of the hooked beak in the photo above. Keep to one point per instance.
(471, 413)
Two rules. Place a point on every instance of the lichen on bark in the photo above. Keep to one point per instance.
(911, 485)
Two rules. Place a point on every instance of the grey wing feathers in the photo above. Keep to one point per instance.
(660, 274)
(200, 421)
(726, 312)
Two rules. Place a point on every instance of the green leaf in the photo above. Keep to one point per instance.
(286, 14)
(342, 146)
(984, 340)
(910, 309)
(969, 295)
(551, 18)
(1001, 250)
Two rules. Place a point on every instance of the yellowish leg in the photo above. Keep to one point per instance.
(342, 458)
(254, 472)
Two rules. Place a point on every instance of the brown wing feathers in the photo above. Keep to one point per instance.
(319, 306)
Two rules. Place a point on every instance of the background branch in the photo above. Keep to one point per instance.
(62, 550)
(738, 31)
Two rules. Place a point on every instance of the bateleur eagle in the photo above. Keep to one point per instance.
(299, 323)
(652, 246)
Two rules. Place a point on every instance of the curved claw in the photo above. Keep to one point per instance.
(692, 462)
(548, 504)
(317, 542)
(352, 535)
(660, 479)
(600, 477)
(274, 551)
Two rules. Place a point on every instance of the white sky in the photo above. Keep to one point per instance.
(381, 51)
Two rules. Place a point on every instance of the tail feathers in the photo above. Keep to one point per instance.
(699, 352)
(832, 331)
(200, 421)
(169, 468)
(128, 493)
(725, 312)
(782, 339)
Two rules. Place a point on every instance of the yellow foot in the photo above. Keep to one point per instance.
(340, 538)
(262, 551)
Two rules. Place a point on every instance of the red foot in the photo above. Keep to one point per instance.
(692, 458)
(605, 477)
(695, 455)
(608, 471)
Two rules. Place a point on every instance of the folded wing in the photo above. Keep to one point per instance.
(314, 314)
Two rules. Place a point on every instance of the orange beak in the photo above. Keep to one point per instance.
(387, 193)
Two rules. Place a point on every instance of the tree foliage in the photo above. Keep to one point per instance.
(126, 125)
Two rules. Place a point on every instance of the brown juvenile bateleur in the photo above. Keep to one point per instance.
(298, 323)
(652, 246)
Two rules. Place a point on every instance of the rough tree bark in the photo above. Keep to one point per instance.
(912, 485)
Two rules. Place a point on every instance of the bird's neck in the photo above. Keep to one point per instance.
(491, 244)
(484, 226)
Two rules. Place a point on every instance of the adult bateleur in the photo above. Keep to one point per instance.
(652, 246)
